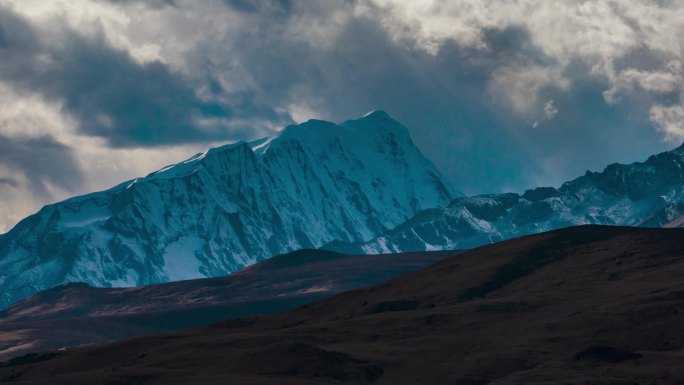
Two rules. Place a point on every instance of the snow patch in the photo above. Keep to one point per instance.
(180, 261)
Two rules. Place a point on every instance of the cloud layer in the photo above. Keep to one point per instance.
(500, 94)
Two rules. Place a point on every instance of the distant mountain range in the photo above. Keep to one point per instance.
(648, 194)
(360, 187)
(227, 208)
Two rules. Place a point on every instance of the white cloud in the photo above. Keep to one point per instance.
(665, 80)
(653, 81)
(562, 29)
(550, 109)
(597, 33)
(28, 115)
(301, 113)
(519, 87)
(430, 23)
(669, 120)
(549, 112)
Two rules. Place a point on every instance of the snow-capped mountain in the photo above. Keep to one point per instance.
(648, 194)
(228, 208)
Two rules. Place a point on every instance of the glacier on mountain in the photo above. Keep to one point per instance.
(227, 208)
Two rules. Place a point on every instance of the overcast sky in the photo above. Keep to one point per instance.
(502, 95)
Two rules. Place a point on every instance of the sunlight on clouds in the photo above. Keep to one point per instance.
(92, 18)
(301, 113)
(431, 23)
(28, 115)
(105, 167)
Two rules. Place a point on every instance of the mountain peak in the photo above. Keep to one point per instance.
(679, 150)
(228, 207)
(377, 115)
(373, 124)
(376, 122)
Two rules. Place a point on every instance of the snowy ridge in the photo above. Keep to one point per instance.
(648, 194)
(227, 208)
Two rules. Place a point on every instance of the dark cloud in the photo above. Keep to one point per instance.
(287, 55)
(149, 3)
(9, 182)
(479, 143)
(43, 161)
(112, 95)
(249, 6)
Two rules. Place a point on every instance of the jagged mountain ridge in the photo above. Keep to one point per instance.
(646, 194)
(227, 208)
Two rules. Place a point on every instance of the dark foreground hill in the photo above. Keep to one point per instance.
(584, 305)
(76, 314)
